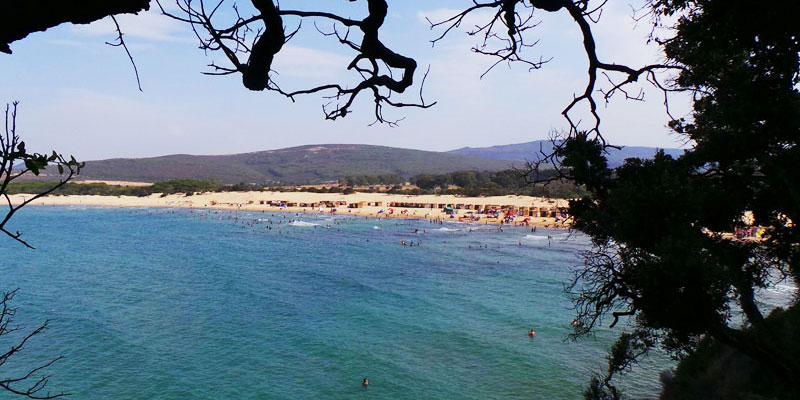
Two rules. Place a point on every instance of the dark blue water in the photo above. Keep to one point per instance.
(175, 304)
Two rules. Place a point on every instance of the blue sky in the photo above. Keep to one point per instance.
(79, 95)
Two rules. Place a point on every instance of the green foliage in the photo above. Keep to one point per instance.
(239, 187)
(660, 256)
(181, 186)
(186, 186)
(598, 390)
(464, 179)
(369, 180)
(500, 183)
(430, 181)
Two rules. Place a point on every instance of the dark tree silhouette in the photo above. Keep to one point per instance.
(664, 251)
(260, 38)
(662, 260)
(252, 38)
(253, 34)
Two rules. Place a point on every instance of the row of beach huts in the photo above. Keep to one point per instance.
(543, 211)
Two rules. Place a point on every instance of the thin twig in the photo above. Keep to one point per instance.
(121, 42)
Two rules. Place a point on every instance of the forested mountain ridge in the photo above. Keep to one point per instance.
(312, 164)
(295, 165)
(532, 151)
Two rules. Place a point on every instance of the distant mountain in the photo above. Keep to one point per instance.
(532, 151)
(295, 165)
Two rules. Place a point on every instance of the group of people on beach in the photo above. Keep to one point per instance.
(279, 221)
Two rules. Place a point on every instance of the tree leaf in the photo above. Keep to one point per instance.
(31, 165)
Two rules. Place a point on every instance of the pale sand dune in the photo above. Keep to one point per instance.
(113, 183)
(252, 201)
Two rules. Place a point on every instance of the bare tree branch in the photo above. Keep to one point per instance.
(121, 42)
(258, 39)
(21, 384)
(13, 151)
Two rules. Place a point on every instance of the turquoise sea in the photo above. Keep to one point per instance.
(196, 304)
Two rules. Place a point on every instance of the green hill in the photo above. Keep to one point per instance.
(295, 165)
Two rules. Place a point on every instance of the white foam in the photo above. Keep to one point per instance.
(302, 223)
(448, 230)
(535, 237)
(376, 227)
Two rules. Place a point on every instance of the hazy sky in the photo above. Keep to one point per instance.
(79, 95)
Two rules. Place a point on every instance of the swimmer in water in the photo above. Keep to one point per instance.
(532, 333)
(365, 382)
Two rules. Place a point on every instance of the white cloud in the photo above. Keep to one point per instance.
(65, 42)
(303, 62)
(148, 26)
(622, 40)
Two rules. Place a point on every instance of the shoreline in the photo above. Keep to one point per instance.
(526, 210)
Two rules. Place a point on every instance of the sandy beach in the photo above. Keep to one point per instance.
(535, 211)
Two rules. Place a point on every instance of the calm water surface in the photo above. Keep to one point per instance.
(179, 304)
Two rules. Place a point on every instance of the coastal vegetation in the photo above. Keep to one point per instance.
(460, 183)
(472, 184)
(500, 183)
(187, 186)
